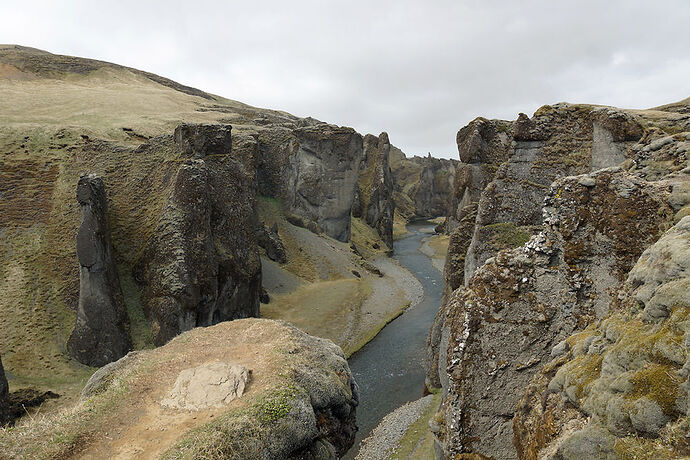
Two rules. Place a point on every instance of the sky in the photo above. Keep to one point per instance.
(419, 70)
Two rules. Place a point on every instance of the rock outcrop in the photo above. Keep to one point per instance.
(422, 185)
(202, 264)
(559, 140)
(516, 321)
(620, 388)
(209, 385)
(523, 301)
(484, 145)
(374, 195)
(313, 169)
(269, 239)
(101, 332)
(301, 401)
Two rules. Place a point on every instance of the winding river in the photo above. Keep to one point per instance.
(390, 368)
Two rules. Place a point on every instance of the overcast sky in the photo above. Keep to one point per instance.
(417, 69)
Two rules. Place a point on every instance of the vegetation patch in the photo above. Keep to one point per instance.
(657, 382)
(418, 442)
(507, 235)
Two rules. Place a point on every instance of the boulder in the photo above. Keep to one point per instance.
(101, 333)
(245, 389)
(269, 239)
(202, 264)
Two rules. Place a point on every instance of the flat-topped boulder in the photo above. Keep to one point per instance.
(245, 389)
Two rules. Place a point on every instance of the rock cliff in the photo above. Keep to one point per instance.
(374, 194)
(101, 334)
(575, 240)
(559, 140)
(313, 168)
(422, 185)
(619, 389)
(202, 266)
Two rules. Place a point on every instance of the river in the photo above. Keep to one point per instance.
(390, 369)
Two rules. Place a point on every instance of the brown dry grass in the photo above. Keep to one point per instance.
(321, 308)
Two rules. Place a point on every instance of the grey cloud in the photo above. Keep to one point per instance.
(419, 70)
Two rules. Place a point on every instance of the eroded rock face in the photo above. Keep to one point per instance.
(522, 302)
(559, 140)
(625, 378)
(313, 168)
(101, 332)
(422, 185)
(202, 265)
(483, 146)
(374, 196)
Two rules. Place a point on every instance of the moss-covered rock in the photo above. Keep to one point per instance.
(639, 388)
(201, 265)
(521, 302)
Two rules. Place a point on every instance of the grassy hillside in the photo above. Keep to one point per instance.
(60, 117)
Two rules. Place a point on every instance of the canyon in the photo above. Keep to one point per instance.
(528, 300)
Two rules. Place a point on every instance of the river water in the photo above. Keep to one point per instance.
(390, 369)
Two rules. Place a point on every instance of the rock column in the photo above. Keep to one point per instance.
(101, 332)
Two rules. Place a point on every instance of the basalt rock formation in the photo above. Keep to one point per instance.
(202, 265)
(101, 333)
(483, 146)
(551, 301)
(620, 389)
(560, 140)
(313, 168)
(422, 185)
(504, 175)
(374, 194)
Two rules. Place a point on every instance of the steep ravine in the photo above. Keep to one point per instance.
(389, 370)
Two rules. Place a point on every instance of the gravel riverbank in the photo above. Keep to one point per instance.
(387, 435)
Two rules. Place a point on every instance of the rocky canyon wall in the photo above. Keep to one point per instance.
(313, 168)
(374, 195)
(422, 185)
(201, 265)
(554, 239)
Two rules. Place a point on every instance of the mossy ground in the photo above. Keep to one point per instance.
(418, 443)
(507, 235)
